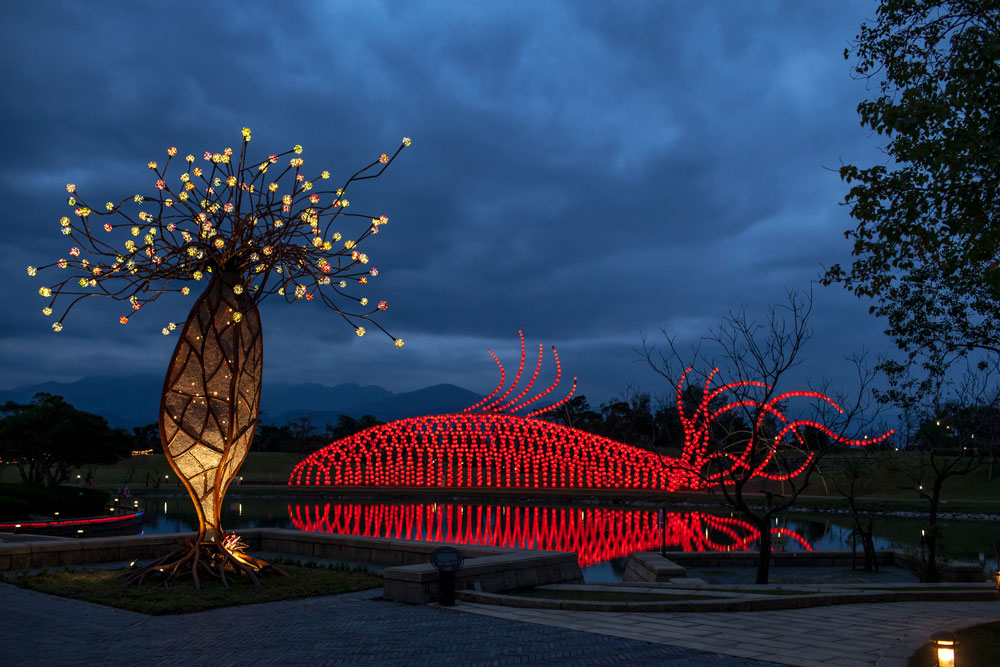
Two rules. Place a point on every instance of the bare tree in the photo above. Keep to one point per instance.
(946, 447)
(748, 447)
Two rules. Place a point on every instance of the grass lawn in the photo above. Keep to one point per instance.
(136, 470)
(107, 587)
(979, 645)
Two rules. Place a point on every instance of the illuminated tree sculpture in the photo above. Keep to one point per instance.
(249, 233)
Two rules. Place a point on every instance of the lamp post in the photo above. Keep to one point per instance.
(945, 644)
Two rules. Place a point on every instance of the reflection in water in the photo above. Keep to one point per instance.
(596, 534)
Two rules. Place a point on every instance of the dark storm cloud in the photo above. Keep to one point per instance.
(585, 171)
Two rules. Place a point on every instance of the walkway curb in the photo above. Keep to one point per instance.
(756, 604)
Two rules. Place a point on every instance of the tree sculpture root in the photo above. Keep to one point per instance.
(217, 559)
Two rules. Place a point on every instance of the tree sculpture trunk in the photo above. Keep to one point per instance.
(208, 414)
(211, 397)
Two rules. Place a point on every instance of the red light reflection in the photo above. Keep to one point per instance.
(596, 534)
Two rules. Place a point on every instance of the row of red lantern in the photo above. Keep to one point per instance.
(484, 450)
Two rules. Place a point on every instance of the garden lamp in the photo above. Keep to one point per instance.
(945, 644)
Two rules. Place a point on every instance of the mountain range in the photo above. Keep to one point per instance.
(134, 400)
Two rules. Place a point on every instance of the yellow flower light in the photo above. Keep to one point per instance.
(32, 271)
(185, 290)
(45, 291)
(364, 301)
(246, 133)
(196, 275)
(273, 187)
(237, 317)
(70, 188)
(109, 206)
(398, 343)
(151, 165)
(57, 326)
(325, 175)
(189, 158)
(348, 244)
(297, 149)
(237, 289)
(360, 331)
(46, 311)
(407, 142)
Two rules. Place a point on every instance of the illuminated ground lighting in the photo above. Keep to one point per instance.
(596, 534)
(488, 445)
(67, 523)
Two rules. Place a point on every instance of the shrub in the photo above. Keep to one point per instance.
(70, 502)
(13, 509)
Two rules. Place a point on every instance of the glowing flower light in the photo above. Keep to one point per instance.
(247, 250)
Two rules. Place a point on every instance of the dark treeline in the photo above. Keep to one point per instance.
(302, 436)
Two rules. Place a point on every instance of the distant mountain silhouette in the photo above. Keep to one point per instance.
(439, 399)
(125, 401)
(135, 400)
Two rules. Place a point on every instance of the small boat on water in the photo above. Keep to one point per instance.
(100, 526)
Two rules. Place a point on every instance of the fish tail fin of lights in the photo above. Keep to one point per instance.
(697, 430)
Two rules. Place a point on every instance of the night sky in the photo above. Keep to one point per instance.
(585, 171)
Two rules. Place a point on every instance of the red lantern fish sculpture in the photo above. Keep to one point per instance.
(490, 445)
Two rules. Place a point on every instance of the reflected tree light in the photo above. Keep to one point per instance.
(596, 534)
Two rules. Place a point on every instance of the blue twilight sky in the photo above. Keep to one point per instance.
(585, 171)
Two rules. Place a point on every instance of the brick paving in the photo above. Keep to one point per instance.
(352, 629)
(805, 575)
(858, 635)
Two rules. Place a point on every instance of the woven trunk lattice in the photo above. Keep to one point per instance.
(211, 397)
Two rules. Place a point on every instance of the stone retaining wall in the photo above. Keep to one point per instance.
(409, 578)
(651, 566)
(418, 584)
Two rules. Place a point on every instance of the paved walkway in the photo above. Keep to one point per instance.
(352, 629)
(357, 629)
(805, 575)
(858, 635)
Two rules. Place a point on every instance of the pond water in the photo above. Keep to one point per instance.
(603, 535)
